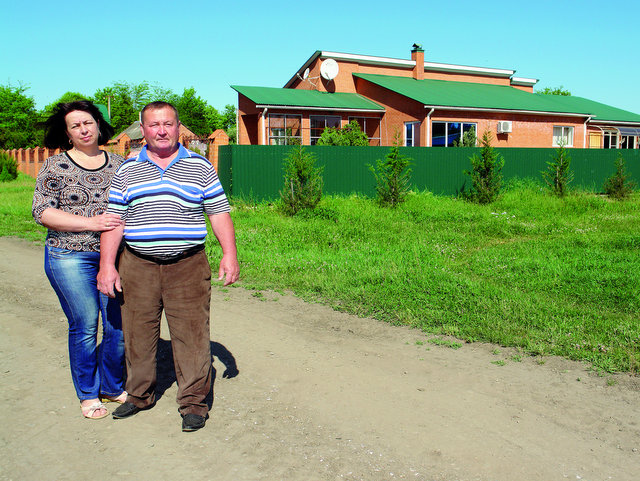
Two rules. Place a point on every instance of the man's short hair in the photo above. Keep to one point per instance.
(157, 105)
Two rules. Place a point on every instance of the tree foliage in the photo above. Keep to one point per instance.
(469, 139)
(8, 167)
(303, 182)
(193, 111)
(392, 176)
(350, 134)
(20, 122)
(555, 91)
(558, 175)
(619, 186)
(18, 118)
(485, 173)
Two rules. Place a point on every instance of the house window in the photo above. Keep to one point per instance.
(562, 136)
(449, 134)
(284, 129)
(319, 122)
(610, 139)
(627, 142)
(371, 127)
(412, 134)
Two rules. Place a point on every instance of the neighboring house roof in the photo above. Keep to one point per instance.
(306, 99)
(478, 96)
(133, 131)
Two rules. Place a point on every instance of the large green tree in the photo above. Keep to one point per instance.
(193, 111)
(126, 100)
(18, 118)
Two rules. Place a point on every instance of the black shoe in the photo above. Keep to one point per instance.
(125, 410)
(192, 422)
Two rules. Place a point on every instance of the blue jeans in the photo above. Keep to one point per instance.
(96, 370)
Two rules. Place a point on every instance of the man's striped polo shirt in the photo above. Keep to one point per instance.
(164, 210)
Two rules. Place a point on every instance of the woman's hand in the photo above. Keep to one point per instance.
(105, 222)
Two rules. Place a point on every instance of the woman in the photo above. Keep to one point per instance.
(70, 199)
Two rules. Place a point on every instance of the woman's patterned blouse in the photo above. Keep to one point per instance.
(63, 184)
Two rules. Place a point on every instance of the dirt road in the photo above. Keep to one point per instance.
(319, 395)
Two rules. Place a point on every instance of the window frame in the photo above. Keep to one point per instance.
(275, 139)
(570, 130)
(376, 140)
(313, 139)
(415, 133)
(446, 131)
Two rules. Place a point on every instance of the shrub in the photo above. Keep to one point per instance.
(558, 175)
(302, 181)
(350, 135)
(485, 173)
(8, 167)
(392, 176)
(618, 185)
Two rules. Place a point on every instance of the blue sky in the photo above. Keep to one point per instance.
(586, 46)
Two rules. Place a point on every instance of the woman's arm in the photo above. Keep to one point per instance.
(56, 219)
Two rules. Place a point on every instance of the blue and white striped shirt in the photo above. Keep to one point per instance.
(164, 210)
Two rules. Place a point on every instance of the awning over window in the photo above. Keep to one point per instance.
(629, 131)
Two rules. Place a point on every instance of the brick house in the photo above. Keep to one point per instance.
(427, 104)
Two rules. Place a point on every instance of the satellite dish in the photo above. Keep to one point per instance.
(305, 75)
(329, 69)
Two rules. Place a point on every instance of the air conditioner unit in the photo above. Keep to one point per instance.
(504, 126)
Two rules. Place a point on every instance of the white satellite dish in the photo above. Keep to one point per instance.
(329, 69)
(305, 75)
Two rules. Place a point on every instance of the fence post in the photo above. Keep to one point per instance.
(216, 139)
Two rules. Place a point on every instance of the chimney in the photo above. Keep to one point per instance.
(417, 55)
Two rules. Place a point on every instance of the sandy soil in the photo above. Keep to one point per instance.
(318, 395)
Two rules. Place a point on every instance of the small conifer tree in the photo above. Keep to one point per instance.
(558, 175)
(619, 186)
(302, 181)
(485, 173)
(392, 176)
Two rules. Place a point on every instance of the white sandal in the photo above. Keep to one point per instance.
(88, 411)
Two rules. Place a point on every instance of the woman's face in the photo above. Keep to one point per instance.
(82, 129)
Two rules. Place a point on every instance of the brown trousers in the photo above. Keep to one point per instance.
(183, 290)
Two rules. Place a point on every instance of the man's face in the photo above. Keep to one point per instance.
(161, 130)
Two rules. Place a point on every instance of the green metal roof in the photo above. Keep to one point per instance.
(270, 96)
(600, 112)
(444, 93)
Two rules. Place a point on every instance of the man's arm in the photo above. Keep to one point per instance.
(108, 277)
(223, 229)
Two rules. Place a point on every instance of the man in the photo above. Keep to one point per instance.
(162, 196)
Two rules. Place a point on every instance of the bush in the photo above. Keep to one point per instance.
(349, 135)
(8, 167)
(618, 186)
(558, 175)
(392, 176)
(302, 181)
(485, 173)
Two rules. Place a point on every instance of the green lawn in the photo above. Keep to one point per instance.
(546, 275)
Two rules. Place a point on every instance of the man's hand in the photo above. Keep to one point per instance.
(109, 281)
(230, 268)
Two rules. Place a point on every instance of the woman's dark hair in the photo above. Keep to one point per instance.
(56, 137)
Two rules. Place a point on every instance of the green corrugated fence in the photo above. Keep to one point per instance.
(256, 171)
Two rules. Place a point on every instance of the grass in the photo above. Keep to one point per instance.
(548, 276)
